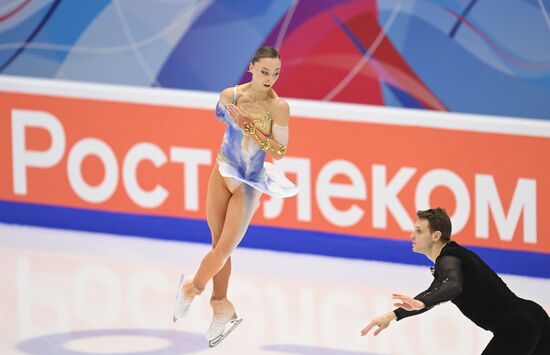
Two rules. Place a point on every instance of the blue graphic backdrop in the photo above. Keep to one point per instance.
(489, 57)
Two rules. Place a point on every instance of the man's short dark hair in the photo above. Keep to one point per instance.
(438, 220)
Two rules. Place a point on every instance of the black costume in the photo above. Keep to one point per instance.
(519, 326)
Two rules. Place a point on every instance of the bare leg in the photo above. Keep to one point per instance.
(217, 199)
(240, 210)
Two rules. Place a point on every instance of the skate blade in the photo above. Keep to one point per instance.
(174, 317)
(234, 323)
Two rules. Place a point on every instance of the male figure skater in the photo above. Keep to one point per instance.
(519, 326)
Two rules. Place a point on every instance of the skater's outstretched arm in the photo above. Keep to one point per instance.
(404, 310)
(414, 307)
(384, 321)
(447, 284)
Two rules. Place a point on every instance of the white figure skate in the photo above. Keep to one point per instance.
(184, 298)
(224, 321)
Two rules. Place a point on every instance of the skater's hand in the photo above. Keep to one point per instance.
(381, 322)
(239, 116)
(408, 303)
(235, 112)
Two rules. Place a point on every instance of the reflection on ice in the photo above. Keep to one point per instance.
(67, 292)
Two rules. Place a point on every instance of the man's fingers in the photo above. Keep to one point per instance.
(399, 300)
(367, 328)
(404, 299)
(401, 297)
(380, 328)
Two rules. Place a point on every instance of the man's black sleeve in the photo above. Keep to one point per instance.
(447, 285)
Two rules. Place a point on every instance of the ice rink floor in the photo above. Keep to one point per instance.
(67, 292)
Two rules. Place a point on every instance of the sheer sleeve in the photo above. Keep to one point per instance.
(447, 285)
(448, 270)
(280, 134)
(222, 114)
(403, 313)
(221, 111)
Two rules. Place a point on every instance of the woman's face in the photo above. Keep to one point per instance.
(265, 72)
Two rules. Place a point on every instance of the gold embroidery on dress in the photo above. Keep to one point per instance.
(263, 124)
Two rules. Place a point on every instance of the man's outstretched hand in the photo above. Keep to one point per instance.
(408, 303)
(381, 322)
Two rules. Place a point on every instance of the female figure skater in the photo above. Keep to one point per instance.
(257, 124)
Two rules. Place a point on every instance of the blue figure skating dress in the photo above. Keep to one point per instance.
(241, 158)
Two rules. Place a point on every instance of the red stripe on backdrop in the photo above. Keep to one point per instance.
(13, 12)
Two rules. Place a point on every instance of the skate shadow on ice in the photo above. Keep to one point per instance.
(307, 350)
(171, 342)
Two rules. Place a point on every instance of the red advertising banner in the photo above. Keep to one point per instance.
(362, 171)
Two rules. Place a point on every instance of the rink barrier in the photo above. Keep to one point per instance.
(260, 237)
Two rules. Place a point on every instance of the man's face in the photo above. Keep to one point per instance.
(421, 237)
